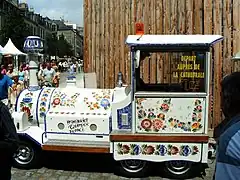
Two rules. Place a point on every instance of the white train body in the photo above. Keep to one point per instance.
(136, 126)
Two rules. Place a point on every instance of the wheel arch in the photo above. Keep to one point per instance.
(28, 138)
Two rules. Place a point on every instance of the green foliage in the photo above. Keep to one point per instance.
(15, 28)
(58, 46)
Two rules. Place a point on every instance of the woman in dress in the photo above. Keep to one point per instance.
(21, 75)
(17, 87)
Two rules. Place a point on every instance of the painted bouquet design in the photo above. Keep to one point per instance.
(27, 107)
(159, 149)
(101, 100)
(62, 99)
(155, 119)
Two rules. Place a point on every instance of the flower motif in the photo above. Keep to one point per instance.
(197, 102)
(125, 149)
(158, 124)
(164, 107)
(194, 116)
(173, 150)
(105, 103)
(27, 110)
(161, 116)
(148, 149)
(141, 114)
(56, 101)
(151, 115)
(195, 150)
(195, 125)
(185, 150)
(146, 124)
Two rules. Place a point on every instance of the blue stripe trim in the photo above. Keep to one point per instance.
(45, 121)
(29, 137)
(76, 133)
(18, 99)
(38, 105)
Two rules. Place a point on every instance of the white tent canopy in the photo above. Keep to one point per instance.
(10, 48)
(2, 51)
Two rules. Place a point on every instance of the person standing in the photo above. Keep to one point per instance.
(3, 70)
(227, 157)
(5, 84)
(8, 142)
(26, 77)
(21, 74)
(49, 73)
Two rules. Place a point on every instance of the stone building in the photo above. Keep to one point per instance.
(72, 35)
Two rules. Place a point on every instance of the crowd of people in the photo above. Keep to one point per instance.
(48, 74)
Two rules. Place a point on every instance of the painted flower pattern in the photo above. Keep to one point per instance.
(158, 124)
(146, 124)
(27, 106)
(159, 149)
(62, 99)
(99, 100)
(44, 99)
(159, 120)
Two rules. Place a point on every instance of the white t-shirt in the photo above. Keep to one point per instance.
(49, 74)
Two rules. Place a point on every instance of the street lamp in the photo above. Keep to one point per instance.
(33, 45)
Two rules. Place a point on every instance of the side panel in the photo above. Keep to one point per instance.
(27, 102)
(44, 103)
(157, 152)
(170, 115)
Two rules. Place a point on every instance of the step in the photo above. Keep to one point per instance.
(76, 146)
(90, 80)
(124, 136)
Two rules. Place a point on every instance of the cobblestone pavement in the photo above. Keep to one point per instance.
(76, 166)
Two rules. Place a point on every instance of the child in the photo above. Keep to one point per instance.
(56, 78)
(17, 87)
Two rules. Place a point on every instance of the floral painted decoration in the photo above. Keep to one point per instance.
(44, 101)
(62, 99)
(101, 99)
(159, 149)
(27, 106)
(154, 119)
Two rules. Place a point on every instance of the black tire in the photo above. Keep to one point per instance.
(133, 168)
(178, 169)
(27, 156)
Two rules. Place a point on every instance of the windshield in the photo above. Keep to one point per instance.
(172, 72)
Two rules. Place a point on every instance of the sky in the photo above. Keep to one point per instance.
(69, 10)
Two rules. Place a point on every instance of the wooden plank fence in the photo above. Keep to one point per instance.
(108, 22)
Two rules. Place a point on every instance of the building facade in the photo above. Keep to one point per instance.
(38, 25)
(72, 36)
(44, 27)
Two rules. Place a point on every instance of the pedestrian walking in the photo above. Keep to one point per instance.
(8, 142)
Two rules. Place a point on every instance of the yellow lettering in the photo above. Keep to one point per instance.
(175, 74)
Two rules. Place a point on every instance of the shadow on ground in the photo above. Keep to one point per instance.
(99, 163)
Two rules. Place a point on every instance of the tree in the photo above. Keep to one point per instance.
(64, 48)
(52, 44)
(15, 28)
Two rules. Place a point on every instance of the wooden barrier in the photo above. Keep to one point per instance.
(107, 24)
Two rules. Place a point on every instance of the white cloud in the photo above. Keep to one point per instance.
(71, 10)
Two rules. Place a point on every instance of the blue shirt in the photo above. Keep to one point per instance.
(5, 83)
(228, 155)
